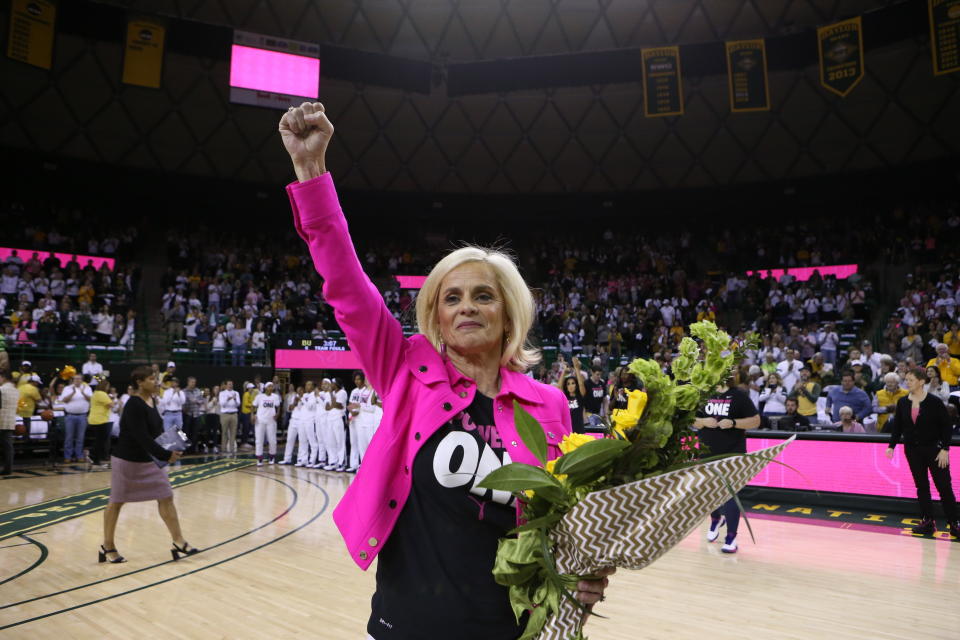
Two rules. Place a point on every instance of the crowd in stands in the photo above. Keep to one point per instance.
(46, 301)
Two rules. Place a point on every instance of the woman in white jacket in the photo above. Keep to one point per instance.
(773, 396)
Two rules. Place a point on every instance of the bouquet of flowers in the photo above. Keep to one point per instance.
(623, 500)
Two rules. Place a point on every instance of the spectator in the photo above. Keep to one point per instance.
(848, 395)
(194, 407)
(8, 421)
(789, 371)
(91, 367)
(806, 394)
(949, 367)
(171, 403)
(885, 402)
(76, 403)
(792, 420)
(29, 396)
(99, 423)
(238, 341)
(229, 402)
(847, 423)
(773, 397)
(937, 387)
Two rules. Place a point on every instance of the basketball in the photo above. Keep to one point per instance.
(20, 429)
(46, 415)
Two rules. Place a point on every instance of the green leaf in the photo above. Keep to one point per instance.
(518, 476)
(538, 523)
(530, 432)
(590, 455)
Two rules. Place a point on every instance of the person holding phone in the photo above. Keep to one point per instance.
(134, 474)
(575, 391)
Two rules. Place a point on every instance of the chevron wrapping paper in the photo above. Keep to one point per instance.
(632, 525)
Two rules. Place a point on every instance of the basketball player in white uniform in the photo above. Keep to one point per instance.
(367, 420)
(295, 433)
(309, 446)
(353, 411)
(335, 437)
(266, 405)
(322, 396)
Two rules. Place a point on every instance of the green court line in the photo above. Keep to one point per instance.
(56, 510)
(326, 504)
(44, 552)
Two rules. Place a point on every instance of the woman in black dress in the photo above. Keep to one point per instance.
(134, 474)
(922, 422)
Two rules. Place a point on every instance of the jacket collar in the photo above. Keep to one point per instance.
(428, 366)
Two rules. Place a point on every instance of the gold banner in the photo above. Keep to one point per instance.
(944, 35)
(747, 76)
(662, 86)
(143, 52)
(841, 55)
(30, 38)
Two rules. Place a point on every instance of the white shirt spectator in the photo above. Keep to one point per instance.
(229, 401)
(775, 399)
(266, 405)
(77, 400)
(9, 284)
(173, 399)
(789, 371)
(92, 368)
(828, 340)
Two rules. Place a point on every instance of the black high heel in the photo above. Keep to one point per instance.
(186, 550)
(102, 556)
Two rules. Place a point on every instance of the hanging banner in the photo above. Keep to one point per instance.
(841, 55)
(944, 35)
(747, 76)
(662, 89)
(143, 52)
(30, 38)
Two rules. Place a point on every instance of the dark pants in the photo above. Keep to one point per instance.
(6, 445)
(921, 460)
(191, 427)
(246, 428)
(101, 441)
(210, 430)
(731, 512)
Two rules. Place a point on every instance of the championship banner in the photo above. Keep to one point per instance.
(662, 89)
(840, 46)
(30, 38)
(747, 76)
(944, 35)
(143, 52)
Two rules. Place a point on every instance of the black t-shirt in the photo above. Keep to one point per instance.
(576, 411)
(434, 575)
(596, 391)
(732, 404)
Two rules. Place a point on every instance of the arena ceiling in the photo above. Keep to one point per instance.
(592, 137)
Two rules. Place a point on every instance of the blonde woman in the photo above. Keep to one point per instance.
(448, 401)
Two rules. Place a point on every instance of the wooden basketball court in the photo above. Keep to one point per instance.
(274, 565)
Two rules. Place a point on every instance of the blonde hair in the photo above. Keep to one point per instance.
(518, 353)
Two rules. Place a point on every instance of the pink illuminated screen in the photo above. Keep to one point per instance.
(64, 258)
(411, 282)
(802, 274)
(295, 359)
(842, 467)
(264, 70)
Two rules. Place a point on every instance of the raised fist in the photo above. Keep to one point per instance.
(306, 132)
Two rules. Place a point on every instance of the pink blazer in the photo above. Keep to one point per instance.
(421, 390)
